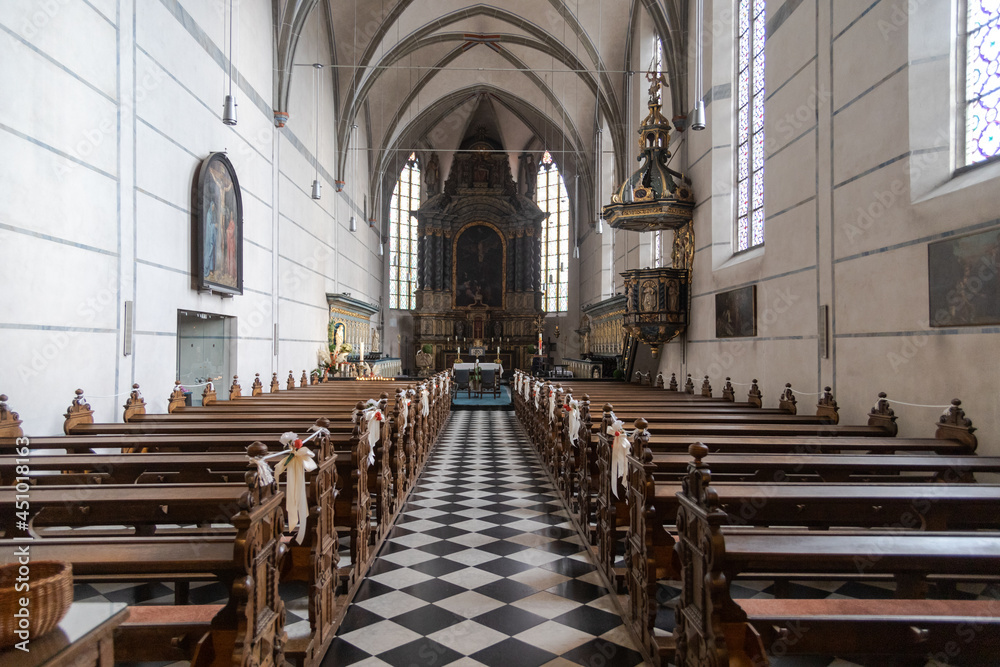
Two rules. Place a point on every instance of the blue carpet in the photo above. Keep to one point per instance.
(462, 400)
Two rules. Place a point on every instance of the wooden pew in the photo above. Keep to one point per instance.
(935, 506)
(712, 626)
(424, 426)
(315, 561)
(247, 630)
(611, 514)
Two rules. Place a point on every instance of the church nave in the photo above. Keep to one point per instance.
(483, 567)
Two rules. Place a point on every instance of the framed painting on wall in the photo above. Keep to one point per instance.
(218, 227)
(963, 281)
(736, 313)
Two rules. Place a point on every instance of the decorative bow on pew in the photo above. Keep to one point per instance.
(552, 404)
(573, 410)
(297, 461)
(620, 449)
(372, 414)
(425, 406)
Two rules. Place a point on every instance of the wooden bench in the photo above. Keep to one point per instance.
(713, 627)
(240, 414)
(908, 505)
(316, 560)
(249, 628)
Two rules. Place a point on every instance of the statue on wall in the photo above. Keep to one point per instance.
(673, 296)
(648, 296)
(528, 174)
(375, 341)
(433, 174)
(682, 255)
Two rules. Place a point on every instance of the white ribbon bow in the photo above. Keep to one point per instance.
(297, 462)
(372, 415)
(573, 408)
(535, 392)
(406, 414)
(552, 405)
(425, 407)
(620, 449)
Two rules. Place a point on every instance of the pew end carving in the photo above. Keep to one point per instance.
(827, 407)
(689, 385)
(728, 392)
(79, 412)
(290, 383)
(175, 401)
(235, 390)
(710, 628)
(275, 385)
(208, 395)
(134, 405)
(883, 416)
(706, 388)
(10, 422)
(754, 397)
(787, 400)
(954, 425)
(673, 382)
(257, 388)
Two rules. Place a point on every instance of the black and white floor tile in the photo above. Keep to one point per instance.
(483, 568)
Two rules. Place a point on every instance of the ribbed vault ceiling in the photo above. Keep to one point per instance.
(412, 73)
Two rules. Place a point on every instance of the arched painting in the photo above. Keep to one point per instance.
(218, 218)
(479, 266)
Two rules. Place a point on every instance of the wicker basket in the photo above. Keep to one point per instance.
(50, 595)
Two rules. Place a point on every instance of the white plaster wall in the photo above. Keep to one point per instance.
(108, 109)
(858, 181)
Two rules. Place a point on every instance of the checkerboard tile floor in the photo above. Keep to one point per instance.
(483, 568)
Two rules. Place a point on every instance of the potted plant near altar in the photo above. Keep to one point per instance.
(425, 359)
(476, 378)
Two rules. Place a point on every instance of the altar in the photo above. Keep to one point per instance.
(484, 367)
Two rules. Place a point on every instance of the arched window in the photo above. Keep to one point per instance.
(552, 199)
(403, 237)
(982, 81)
(750, 125)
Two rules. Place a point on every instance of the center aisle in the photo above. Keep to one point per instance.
(483, 568)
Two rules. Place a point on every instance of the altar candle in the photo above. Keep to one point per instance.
(498, 350)
(361, 354)
(459, 350)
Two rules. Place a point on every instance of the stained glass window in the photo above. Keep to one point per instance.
(982, 81)
(750, 125)
(403, 237)
(552, 198)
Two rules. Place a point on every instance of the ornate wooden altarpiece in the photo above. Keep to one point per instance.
(479, 254)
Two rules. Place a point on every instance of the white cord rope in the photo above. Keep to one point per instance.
(913, 405)
(88, 397)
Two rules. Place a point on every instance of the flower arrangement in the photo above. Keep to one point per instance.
(342, 352)
(323, 356)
